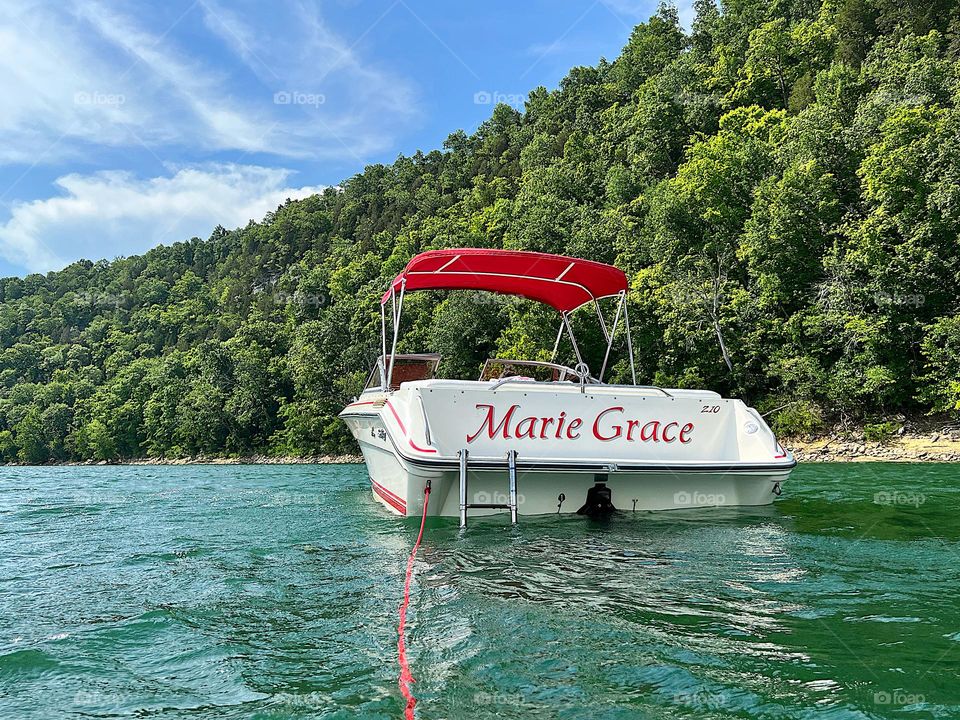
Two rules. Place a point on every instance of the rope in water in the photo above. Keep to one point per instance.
(406, 678)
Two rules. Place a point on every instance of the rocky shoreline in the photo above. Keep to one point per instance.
(916, 447)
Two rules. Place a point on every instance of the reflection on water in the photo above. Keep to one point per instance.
(272, 592)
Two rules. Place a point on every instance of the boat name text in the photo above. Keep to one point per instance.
(608, 425)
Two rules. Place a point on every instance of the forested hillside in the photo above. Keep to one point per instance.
(785, 177)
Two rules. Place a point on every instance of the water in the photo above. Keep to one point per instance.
(271, 592)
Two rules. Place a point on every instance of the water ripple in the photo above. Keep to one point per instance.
(271, 592)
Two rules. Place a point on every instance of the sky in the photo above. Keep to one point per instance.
(126, 124)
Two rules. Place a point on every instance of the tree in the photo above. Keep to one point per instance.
(30, 438)
(100, 442)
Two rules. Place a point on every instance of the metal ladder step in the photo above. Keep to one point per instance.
(512, 489)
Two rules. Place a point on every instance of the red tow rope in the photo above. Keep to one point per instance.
(406, 679)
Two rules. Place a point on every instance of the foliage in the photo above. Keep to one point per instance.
(881, 432)
(782, 185)
(941, 345)
(797, 419)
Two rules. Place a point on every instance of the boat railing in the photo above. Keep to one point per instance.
(656, 388)
(503, 381)
(558, 372)
(581, 374)
(592, 381)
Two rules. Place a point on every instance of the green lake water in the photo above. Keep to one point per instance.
(272, 592)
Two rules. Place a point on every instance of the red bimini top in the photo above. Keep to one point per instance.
(564, 283)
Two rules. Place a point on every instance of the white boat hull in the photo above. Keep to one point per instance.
(653, 451)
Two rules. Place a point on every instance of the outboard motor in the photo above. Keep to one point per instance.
(599, 502)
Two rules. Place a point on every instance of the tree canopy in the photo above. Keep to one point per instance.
(781, 185)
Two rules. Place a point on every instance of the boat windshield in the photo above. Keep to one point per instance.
(406, 368)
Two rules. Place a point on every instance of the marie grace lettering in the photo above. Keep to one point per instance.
(609, 424)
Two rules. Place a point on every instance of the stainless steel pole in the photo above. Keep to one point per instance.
(463, 487)
(383, 346)
(613, 334)
(396, 332)
(626, 321)
(512, 463)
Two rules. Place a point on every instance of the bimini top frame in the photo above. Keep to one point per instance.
(564, 283)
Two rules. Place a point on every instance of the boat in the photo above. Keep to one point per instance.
(537, 437)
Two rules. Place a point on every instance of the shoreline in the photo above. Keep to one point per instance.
(909, 447)
(941, 446)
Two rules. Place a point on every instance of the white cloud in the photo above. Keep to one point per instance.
(298, 52)
(112, 213)
(42, 97)
(99, 73)
(220, 121)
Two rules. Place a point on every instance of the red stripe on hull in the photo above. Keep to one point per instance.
(403, 429)
(388, 497)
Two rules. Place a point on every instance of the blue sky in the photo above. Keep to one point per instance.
(126, 124)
